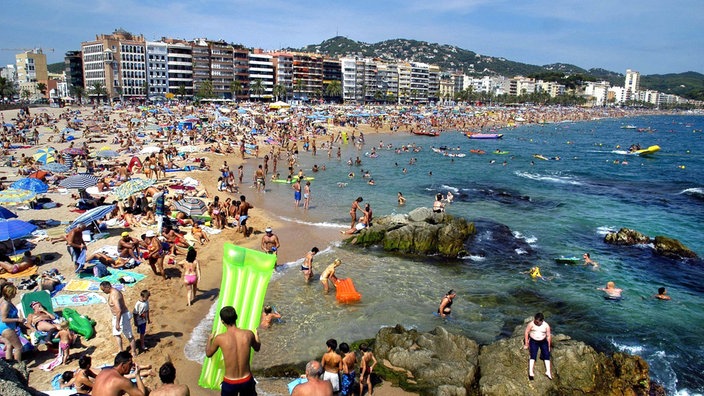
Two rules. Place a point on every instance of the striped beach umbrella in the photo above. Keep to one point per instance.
(91, 216)
(29, 183)
(80, 181)
(74, 151)
(132, 186)
(13, 196)
(56, 167)
(190, 206)
(6, 213)
(45, 156)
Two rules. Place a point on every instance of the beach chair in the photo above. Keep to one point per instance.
(42, 296)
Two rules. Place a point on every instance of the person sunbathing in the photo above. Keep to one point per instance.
(41, 319)
(199, 234)
(107, 260)
(13, 268)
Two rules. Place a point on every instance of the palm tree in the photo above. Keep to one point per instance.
(98, 90)
(334, 89)
(41, 87)
(298, 87)
(257, 88)
(279, 91)
(205, 90)
(25, 94)
(181, 91)
(7, 89)
(236, 89)
(79, 92)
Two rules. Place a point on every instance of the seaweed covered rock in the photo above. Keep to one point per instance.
(419, 232)
(626, 236)
(14, 379)
(672, 248)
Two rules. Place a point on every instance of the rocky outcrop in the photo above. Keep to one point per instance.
(626, 236)
(663, 246)
(672, 248)
(419, 232)
(441, 363)
(13, 379)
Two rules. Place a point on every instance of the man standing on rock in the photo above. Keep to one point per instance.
(537, 336)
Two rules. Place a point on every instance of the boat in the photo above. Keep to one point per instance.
(629, 127)
(484, 135)
(477, 151)
(426, 133)
(646, 151)
(568, 260)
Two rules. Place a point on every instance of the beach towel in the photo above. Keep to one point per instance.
(80, 285)
(77, 210)
(75, 300)
(113, 278)
(57, 361)
(22, 274)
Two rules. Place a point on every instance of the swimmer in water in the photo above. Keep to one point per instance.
(612, 292)
(662, 294)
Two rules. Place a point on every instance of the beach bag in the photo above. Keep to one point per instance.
(100, 270)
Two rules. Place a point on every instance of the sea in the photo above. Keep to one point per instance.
(527, 211)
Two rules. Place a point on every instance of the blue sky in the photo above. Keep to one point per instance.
(651, 36)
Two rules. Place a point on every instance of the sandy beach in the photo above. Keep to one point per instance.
(172, 320)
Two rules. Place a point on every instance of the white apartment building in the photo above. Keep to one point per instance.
(433, 83)
(404, 82)
(618, 94)
(550, 87)
(597, 92)
(157, 68)
(180, 68)
(419, 82)
(261, 68)
(649, 96)
(632, 84)
(349, 79)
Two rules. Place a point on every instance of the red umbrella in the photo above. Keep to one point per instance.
(39, 175)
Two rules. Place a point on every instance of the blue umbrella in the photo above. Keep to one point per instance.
(55, 167)
(91, 216)
(6, 213)
(80, 181)
(13, 229)
(29, 183)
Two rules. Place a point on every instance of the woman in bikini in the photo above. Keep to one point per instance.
(191, 274)
(353, 210)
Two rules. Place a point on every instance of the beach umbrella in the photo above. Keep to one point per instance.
(80, 181)
(6, 213)
(55, 167)
(68, 130)
(13, 196)
(91, 216)
(150, 150)
(130, 187)
(45, 156)
(13, 229)
(29, 183)
(107, 154)
(190, 206)
(74, 151)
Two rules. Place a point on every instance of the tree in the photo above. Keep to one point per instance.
(79, 92)
(279, 91)
(7, 89)
(236, 89)
(98, 90)
(298, 87)
(41, 87)
(258, 88)
(205, 90)
(181, 91)
(378, 96)
(25, 94)
(334, 89)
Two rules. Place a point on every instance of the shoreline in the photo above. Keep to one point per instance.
(172, 323)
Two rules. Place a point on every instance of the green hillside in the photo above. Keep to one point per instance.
(56, 67)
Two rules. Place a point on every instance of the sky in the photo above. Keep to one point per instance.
(650, 36)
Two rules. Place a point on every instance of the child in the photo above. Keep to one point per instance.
(329, 273)
(141, 316)
(366, 367)
(66, 338)
(268, 317)
(191, 274)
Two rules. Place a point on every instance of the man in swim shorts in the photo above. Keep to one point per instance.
(76, 246)
(297, 191)
(121, 316)
(244, 214)
(270, 242)
(235, 345)
(332, 363)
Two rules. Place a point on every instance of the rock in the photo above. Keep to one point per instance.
(626, 236)
(14, 379)
(419, 232)
(672, 248)
(441, 363)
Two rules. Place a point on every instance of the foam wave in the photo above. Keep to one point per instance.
(474, 257)
(314, 224)
(631, 349)
(450, 188)
(195, 347)
(521, 251)
(619, 152)
(549, 178)
(528, 239)
(696, 192)
(603, 230)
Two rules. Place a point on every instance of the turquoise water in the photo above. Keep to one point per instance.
(526, 214)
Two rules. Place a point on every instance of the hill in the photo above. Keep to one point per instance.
(449, 57)
(56, 67)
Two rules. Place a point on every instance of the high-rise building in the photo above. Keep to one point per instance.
(283, 73)
(632, 84)
(157, 69)
(307, 76)
(73, 68)
(419, 82)
(114, 66)
(31, 70)
(261, 75)
(332, 76)
(179, 55)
